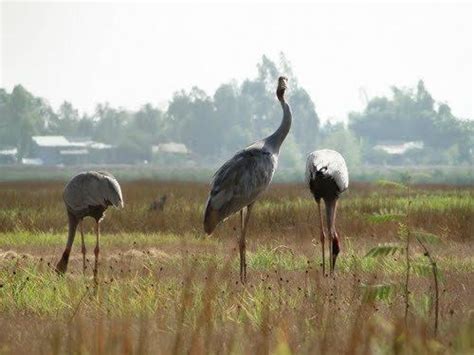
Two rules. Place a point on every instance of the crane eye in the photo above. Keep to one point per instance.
(324, 169)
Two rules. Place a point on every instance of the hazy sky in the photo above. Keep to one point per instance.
(129, 54)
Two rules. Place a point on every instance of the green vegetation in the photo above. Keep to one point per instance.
(454, 175)
(413, 115)
(214, 126)
(165, 287)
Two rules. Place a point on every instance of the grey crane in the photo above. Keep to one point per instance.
(327, 177)
(240, 181)
(88, 194)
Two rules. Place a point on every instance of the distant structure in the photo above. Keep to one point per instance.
(170, 148)
(241, 180)
(8, 155)
(398, 148)
(395, 153)
(327, 177)
(88, 195)
(158, 204)
(172, 153)
(61, 150)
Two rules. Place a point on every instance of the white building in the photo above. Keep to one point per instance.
(398, 148)
(58, 150)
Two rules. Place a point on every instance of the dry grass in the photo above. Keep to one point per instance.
(286, 211)
(166, 288)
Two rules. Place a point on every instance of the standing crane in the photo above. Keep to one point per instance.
(88, 194)
(327, 177)
(240, 181)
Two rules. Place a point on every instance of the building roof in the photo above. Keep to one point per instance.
(51, 141)
(74, 152)
(398, 148)
(9, 151)
(176, 148)
(63, 142)
(97, 145)
(32, 161)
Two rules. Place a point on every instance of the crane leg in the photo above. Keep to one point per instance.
(323, 236)
(83, 249)
(331, 206)
(61, 266)
(96, 250)
(330, 254)
(335, 248)
(242, 245)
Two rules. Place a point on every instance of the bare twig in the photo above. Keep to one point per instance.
(407, 278)
(407, 252)
(79, 304)
(434, 269)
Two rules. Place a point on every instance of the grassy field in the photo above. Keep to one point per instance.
(165, 287)
(433, 174)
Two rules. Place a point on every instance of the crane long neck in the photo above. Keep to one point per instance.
(276, 139)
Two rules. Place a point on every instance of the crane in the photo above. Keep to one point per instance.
(327, 178)
(88, 194)
(242, 179)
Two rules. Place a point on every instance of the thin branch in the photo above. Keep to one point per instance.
(407, 251)
(434, 268)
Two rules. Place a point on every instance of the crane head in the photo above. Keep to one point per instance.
(282, 86)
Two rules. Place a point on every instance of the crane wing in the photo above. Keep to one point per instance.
(112, 191)
(238, 183)
(92, 189)
(335, 164)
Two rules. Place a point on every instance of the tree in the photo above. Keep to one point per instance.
(149, 123)
(26, 117)
(344, 141)
(291, 156)
(410, 115)
(194, 118)
(111, 124)
(233, 119)
(67, 120)
(212, 127)
(305, 127)
(85, 126)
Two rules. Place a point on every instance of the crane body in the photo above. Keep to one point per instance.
(327, 178)
(88, 194)
(242, 179)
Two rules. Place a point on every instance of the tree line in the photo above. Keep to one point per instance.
(214, 127)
